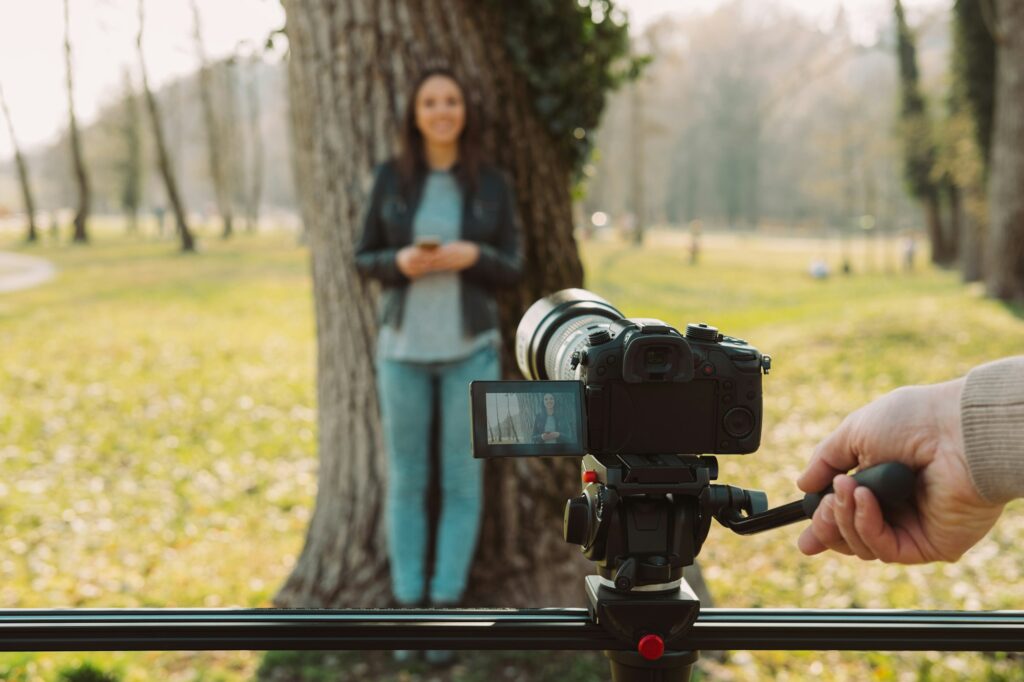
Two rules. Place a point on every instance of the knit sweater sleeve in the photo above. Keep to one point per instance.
(992, 413)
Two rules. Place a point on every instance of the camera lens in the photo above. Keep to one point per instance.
(556, 326)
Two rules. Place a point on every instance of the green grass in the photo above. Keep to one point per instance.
(157, 448)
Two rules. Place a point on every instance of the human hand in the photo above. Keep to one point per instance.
(414, 261)
(549, 436)
(457, 255)
(919, 426)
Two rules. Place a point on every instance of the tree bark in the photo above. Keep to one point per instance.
(1005, 261)
(163, 158)
(215, 148)
(80, 234)
(32, 234)
(350, 65)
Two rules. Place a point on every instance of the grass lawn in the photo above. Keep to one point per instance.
(157, 445)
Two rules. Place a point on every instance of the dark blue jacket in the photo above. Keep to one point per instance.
(488, 219)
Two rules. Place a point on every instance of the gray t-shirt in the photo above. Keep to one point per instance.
(431, 329)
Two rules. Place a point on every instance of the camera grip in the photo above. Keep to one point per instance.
(892, 483)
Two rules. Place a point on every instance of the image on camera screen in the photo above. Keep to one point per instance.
(517, 418)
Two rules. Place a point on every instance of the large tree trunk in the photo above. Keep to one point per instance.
(1005, 262)
(163, 158)
(216, 150)
(23, 177)
(80, 234)
(350, 65)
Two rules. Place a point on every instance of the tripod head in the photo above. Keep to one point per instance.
(643, 518)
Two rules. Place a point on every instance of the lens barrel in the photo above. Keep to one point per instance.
(556, 326)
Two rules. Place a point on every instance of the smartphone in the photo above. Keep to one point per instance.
(428, 243)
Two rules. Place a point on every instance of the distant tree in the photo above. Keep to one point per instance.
(638, 162)
(969, 129)
(1005, 248)
(217, 151)
(974, 65)
(80, 235)
(541, 71)
(23, 177)
(919, 147)
(163, 157)
(254, 136)
(130, 169)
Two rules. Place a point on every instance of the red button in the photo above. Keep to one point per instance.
(651, 647)
(590, 477)
(708, 370)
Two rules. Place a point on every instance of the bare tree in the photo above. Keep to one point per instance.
(216, 150)
(163, 158)
(81, 177)
(23, 176)
(1005, 263)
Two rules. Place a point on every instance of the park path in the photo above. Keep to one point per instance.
(18, 271)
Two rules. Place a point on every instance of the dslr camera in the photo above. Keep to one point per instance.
(604, 384)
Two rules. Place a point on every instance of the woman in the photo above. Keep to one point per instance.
(440, 235)
(553, 425)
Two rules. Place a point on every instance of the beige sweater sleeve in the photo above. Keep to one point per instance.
(992, 410)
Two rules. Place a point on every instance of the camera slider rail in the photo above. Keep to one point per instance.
(546, 629)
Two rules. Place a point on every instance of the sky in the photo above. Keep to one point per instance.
(103, 44)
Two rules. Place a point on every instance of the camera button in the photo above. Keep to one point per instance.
(738, 422)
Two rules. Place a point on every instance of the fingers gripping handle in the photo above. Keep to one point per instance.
(892, 483)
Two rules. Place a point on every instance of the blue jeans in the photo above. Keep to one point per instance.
(406, 400)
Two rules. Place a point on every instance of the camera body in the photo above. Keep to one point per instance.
(650, 389)
(602, 384)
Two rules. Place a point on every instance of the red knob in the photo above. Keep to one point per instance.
(590, 477)
(651, 647)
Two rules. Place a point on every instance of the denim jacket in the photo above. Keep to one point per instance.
(488, 219)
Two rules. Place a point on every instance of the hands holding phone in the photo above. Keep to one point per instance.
(429, 255)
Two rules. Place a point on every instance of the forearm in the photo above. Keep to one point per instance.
(380, 265)
(992, 411)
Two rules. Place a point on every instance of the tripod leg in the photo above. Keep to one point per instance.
(673, 666)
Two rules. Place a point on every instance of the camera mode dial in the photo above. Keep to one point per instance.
(701, 332)
(598, 336)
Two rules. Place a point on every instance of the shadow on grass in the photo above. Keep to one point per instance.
(1014, 308)
(470, 666)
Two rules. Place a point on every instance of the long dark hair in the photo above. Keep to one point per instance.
(412, 160)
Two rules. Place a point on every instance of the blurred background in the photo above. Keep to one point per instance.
(831, 180)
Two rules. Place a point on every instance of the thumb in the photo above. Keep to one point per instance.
(833, 456)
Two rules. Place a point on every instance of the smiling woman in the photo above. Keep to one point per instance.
(441, 235)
